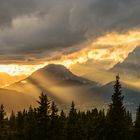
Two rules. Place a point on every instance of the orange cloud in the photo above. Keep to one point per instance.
(112, 47)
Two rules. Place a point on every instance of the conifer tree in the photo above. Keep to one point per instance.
(54, 125)
(129, 125)
(93, 130)
(54, 111)
(73, 113)
(62, 115)
(12, 120)
(136, 135)
(62, 125)
(43, 112)
(19, 125)
(2, 122)
(2, 115)
(116, 114)
(12, 125)
(30, 125)
(72, 132)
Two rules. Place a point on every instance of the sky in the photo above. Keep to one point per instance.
(34, 33)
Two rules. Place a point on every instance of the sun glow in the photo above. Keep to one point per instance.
(14, 70)
(112, 48)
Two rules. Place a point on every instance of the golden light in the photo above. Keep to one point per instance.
(15, 70)
(113, 47)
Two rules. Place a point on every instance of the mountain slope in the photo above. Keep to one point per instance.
(6, 79)
(60, 75)
(130, 66)
(58, 82)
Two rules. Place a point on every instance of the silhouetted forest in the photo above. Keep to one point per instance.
(46, 122)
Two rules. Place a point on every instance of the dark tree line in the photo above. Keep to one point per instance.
(47, 123)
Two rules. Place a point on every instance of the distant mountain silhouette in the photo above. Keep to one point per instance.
(131, 96)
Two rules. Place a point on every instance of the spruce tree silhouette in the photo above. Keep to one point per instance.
(54, 124)
(43, 112)
(2, 124)
(136, 135)
(116, 114)
(72, 124)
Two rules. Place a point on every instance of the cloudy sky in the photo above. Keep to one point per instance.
(35, 31)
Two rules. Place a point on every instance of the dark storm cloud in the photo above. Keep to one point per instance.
(35, 29)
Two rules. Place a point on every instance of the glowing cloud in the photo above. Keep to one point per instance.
(112, 48)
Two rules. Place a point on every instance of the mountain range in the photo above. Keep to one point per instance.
(62, 86)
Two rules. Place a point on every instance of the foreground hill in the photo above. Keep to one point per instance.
(16, 101)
